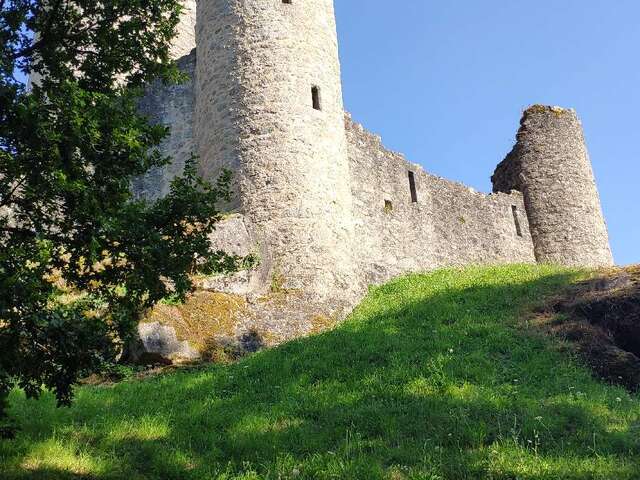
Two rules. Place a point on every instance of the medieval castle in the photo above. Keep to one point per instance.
(326, 207)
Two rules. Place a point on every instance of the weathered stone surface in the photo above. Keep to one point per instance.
(550, 165)
(185, 39)
(214, 321)
(258, 61)
(162, 340)
(448, 224)
(170, 105)
(233, 236)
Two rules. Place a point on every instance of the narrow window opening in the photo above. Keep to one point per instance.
(315, 96)
(516, 220)
(412, 187)
(388, 206)
(288, 2)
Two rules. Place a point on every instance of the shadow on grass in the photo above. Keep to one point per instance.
(421, 382)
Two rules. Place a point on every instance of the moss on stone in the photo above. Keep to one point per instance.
(204, 316)
(321, 323)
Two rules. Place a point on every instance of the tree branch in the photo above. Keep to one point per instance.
(43, 35)
(7, 199)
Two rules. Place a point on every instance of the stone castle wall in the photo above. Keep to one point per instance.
(328, 209)
(185, 40)
(448, 224)
(173, 106)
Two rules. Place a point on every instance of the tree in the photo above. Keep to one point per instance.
(80, 258)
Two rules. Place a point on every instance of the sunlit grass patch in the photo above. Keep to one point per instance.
(433, 376)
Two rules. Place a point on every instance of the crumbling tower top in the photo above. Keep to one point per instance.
(550, 165)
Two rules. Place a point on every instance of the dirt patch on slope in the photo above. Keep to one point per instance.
(600, 317)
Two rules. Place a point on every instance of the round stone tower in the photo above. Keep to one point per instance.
(550, 165)
(269, 108)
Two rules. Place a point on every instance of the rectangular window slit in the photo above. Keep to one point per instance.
(516, 220)
(412, 187)
(315, 96)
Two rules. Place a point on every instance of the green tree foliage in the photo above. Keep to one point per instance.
(80, 258)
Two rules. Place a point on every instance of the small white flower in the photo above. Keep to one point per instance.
(618, 399)
(451, 350)
(32, 265)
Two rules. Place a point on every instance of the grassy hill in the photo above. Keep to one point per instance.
(433, 377)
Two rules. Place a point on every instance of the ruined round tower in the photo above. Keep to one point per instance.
(269, 108)
(550, 165)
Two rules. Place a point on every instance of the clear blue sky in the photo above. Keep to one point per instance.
(445, 82)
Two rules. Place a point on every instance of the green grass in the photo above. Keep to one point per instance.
(432, 377)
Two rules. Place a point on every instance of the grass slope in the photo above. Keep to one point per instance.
(432, 377)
